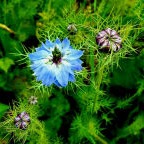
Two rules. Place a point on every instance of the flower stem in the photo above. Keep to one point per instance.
(99, 139)
(97, 85)
(6, 28)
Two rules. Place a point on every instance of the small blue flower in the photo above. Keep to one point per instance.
(55, 62)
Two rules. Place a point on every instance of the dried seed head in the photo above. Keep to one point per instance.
(72, 29)
(109, 39)
(22, 120)
(33, 100)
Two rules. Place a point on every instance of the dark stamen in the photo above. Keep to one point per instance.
(56, 56)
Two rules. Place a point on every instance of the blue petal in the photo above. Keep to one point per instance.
(76, 67)
(36, 65)
(45, 46)
(57, 41)
(65, 43)
(75, 54)
(39, 48)
(71, 78)
(58, 44)
(57, 83)
(39, 62)
(42, 74)
(49, 43)
(68, 69)
(62, 76)
(37, 69)
(38, 55)
(42, 47)
(49, 78)
(76, 64)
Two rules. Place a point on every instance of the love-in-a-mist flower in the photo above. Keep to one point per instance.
(109, 39)
(22, 120)
(55, 62)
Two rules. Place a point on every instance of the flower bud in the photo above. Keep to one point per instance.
(33, 100)
(22, 120)
(72, 29)
(109, 39)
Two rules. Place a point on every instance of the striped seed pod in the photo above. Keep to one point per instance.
(22, 120)
(109, 39)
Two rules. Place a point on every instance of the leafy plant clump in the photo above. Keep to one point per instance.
(72, 72)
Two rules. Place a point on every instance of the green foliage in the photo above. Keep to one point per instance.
(105, 103)
(35, 129)
(131, 68)
(129, 131)
(3, 109)
(55, 108)
(134, 128)
(20, 16)
(17, 24)
(5, 64)
(82, 127)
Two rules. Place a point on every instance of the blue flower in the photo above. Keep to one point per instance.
(55, 62)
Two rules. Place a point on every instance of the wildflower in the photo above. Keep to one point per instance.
(72, 29)
(55, 62)
(22, 120)
(33, 100)
(109, 39)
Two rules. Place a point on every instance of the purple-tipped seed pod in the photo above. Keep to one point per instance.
(22, 120)
(109, 40)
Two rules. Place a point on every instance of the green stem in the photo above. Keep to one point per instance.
(6, 28)
(97, 85)
(100, 139)
(95, 5)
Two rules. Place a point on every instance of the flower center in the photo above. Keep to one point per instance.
(56, 56)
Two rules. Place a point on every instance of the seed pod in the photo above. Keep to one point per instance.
(33, 100)
(22, 120)
(109, 39)
(72, 29)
